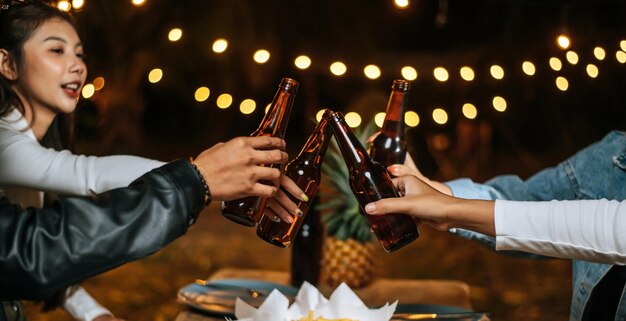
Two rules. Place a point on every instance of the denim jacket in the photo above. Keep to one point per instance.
(595, 172)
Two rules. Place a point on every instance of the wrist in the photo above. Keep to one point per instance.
(475, 215)
(205, 186)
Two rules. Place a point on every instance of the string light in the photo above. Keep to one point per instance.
(353, 119)
(622, 44)
(411, 118)
(247, 106)
(155, 75)
(98, 83)
(401, 4)
(77, 4)
(261, 56)
(409, 73)
(555, 64)
(563, 41)
(302, 62)
(469, 111)
(499, 103)
(528, 68)
(88, 91)
(202, 94)
(138, 3)
(267, 108)
(219, 45)
(338, 68)
(175, 34)
(467, 73)
(379, 119)
(561, 83)
(440, 116)
(496, 72)
(620, 56)
(224, 101)
(592, 70)
(319, 115)
(64, 6)
(572, 57)
(599, 53)
(441, 74)
(371, 71)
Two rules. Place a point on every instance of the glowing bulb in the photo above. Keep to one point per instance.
(261, 56)
(88, 91)
(224, 101)
(441, 74)
(592, 70)
(220, 45)
(411, 118)
(302, 62)
(572, 57)
(409, 73)
(469, 111)
(440, 116)
(77, 4)
(319, 115)
(497, 72)
(467, 73)
(202, 94)
(555, 64)
(528, 68)
(98, 83)
(379, 119)
(401, 4)
(622, 44)
(499, 103)
(155, 75)
(338, 68)
(562, 83)
(599, 53)
(563, 41)
(353, 119)
(621, 56)
(247, 106)
(371, 71)
(175, 34)
(138, 3)
(64, 6)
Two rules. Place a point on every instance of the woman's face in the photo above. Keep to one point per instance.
(53, 71)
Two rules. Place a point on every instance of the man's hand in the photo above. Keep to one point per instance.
(234, 169)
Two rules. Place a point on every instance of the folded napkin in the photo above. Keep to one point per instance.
(343, 304)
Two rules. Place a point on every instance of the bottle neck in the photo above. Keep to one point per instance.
(351, 149)
(317, 144)
(393, 125)
(275, 121)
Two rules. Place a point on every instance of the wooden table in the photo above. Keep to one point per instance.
(381, 291)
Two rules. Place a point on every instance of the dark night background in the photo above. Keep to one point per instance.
(540, 127)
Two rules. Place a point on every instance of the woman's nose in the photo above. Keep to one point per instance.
(78, 66)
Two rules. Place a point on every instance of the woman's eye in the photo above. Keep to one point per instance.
(81, 56)
(57, 50)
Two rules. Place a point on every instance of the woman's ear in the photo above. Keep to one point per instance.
(7, 66)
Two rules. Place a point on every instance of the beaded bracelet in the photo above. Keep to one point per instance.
(207, 192)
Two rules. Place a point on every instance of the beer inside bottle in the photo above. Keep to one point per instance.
(389, 146)
(371, 182)
(305, 171)
(274, 123)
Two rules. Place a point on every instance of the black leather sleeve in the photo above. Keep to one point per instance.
(44, 250)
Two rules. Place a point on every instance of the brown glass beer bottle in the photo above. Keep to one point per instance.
(274, 124)
(371, 182)
(389, 146)
(305, 171)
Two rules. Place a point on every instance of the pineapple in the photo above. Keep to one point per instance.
(347, 251)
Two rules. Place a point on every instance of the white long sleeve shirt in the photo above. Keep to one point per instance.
(27, 169)
(591, 230)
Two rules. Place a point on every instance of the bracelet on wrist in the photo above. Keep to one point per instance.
(207, 192)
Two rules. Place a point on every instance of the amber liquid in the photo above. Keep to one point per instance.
(388, 149)
(392, 230)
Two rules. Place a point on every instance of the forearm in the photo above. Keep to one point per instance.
(475, 215)
(45, 250)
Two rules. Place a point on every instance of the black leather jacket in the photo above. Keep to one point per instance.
(45, 250)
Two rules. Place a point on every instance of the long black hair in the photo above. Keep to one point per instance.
(18, 21)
